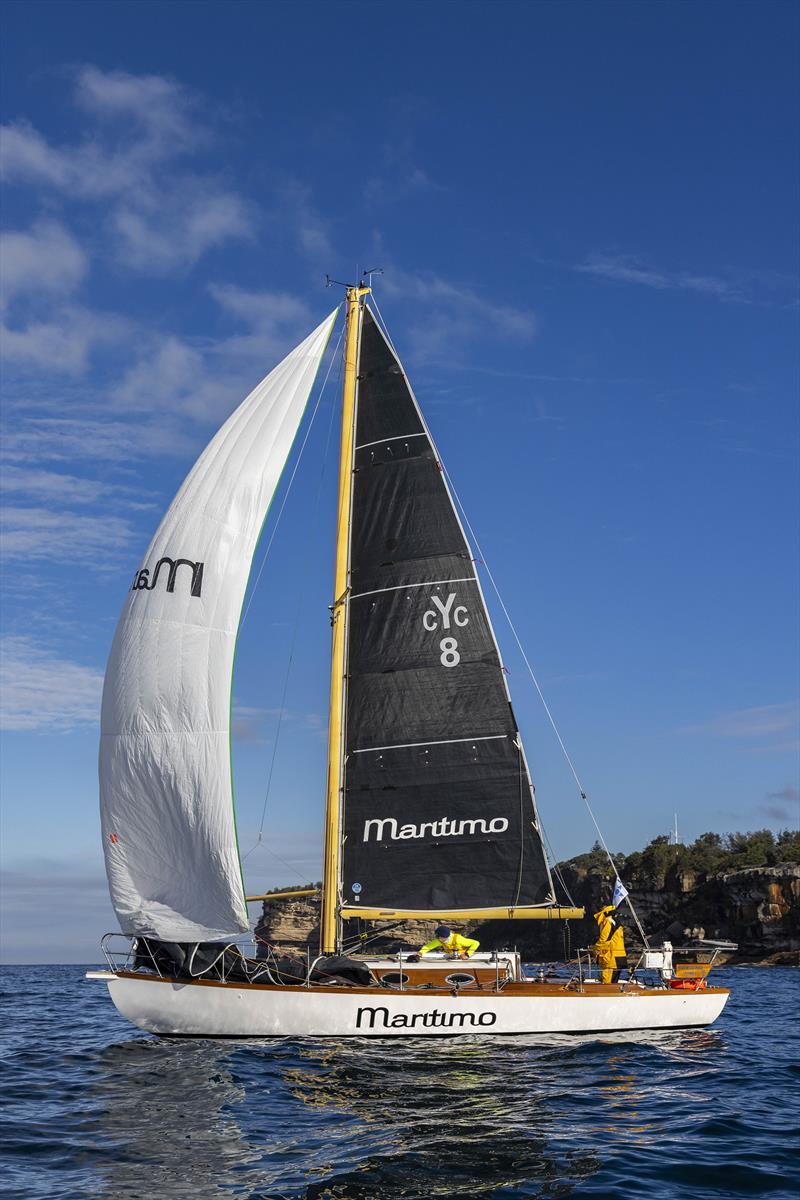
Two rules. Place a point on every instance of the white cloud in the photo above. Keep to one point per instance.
(178, 230)
(401, 180)
(454, 314)
(51, 485)
(26, 157)
(274, 322)
(626, 268)
(74, 886)
(47, 258)
(159, 110)
(162, 216)
(399, 174)
(159, 105)
(67, 439)
(310, 229)
(247, 724)
(41, 690)
(763, 721)
(62, 344)
(759, 726)
(82, 171)
(206, 381)
(62, 536)
(264, 312)
(164, 377)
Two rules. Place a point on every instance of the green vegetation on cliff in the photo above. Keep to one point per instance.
(711, 854)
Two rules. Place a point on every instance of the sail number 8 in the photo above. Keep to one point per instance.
(444, 615)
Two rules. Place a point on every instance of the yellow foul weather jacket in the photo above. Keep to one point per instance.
(456, 944)
(610, 944)
(617, 941)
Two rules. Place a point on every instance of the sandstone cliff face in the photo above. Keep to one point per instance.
(763, 904)
(758, 907)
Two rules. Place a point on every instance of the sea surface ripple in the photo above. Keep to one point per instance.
(94, 1108)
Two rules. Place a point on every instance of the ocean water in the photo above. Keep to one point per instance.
(94, 1108)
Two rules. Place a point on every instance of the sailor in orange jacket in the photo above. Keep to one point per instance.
(609, 949)
(451, 943)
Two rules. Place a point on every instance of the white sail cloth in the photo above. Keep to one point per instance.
(166, 795)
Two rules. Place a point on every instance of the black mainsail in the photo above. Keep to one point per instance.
(438, 807)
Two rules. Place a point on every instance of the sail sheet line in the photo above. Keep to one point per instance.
(401, 587)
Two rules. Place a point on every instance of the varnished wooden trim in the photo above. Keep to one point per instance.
(550, 990)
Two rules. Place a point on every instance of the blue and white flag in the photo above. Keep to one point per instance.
(620, 892)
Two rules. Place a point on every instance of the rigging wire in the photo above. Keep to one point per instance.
(298, 606)
(334, 358)
(284, 862)
(550, 717)
(545, 705)
(384, 328)
(556, 871)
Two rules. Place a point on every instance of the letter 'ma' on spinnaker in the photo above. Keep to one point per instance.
(143, 583)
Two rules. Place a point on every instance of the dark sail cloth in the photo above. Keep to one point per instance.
(438, 810)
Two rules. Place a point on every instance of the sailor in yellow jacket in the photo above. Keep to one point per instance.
(609, 949)
(451, 943)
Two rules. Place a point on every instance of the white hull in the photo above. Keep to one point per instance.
(206, 1009)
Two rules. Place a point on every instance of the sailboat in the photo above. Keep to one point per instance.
(430, 809)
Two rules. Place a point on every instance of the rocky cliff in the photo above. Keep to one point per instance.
(757, 907)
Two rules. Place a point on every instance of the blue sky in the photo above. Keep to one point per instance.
(587, 219)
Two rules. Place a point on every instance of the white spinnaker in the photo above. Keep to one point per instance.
(166, 796)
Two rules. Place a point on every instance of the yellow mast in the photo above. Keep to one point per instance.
(330, 877)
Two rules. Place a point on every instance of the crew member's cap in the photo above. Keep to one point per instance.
(442, 931)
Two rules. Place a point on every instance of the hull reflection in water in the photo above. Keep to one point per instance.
(90, 1113)
(279, 1121)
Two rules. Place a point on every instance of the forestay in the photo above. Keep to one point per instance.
(166, 794)
(439, 811)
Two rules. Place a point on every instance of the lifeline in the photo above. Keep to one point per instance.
(431, 1020)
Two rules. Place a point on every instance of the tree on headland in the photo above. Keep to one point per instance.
(710, 854)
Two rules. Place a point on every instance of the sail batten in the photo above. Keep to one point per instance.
(166, 793)
(439, 814)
